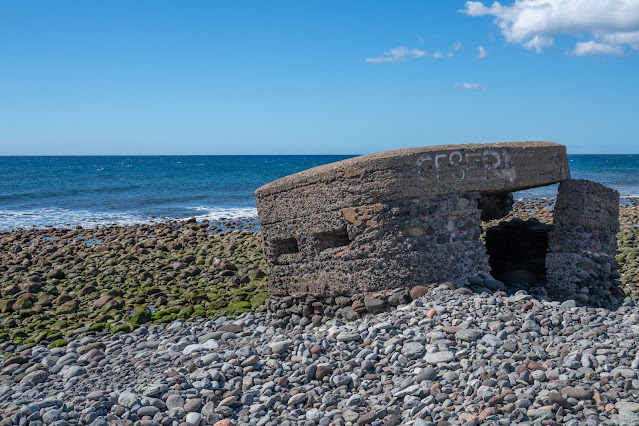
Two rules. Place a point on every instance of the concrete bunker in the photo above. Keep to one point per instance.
(413, 217)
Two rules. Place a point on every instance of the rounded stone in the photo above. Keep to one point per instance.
(439, 357)
(413, 350)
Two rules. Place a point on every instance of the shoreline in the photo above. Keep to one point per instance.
(238, 216)
(107, 275)
(165, 323)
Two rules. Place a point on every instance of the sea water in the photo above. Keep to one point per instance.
(103, 190)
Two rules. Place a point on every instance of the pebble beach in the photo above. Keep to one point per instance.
(165, 324)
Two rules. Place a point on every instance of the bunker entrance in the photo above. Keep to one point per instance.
(517, 252)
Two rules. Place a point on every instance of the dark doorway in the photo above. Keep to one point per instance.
(517, 251)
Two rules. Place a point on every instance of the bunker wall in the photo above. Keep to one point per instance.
(582, 246)
(376, 247)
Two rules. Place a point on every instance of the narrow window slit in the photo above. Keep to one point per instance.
(332, 239)
(286, 246)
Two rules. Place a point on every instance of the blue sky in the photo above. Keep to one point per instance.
(311, 77)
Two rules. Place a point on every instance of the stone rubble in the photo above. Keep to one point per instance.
(452, 357)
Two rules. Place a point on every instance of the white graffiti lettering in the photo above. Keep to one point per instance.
(464, 165)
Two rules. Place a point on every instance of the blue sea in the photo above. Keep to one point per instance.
(105, 190)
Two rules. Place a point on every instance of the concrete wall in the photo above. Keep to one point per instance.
(396, 218)
(582, 246)
(377, 247)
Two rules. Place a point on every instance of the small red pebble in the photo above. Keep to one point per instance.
(496, 400)
(225, 422)
(283, 381)
(316, 320)
(486, 412)
(316, 349)
(431, 313)
(500, 294)
(527, 306)
(534, 365)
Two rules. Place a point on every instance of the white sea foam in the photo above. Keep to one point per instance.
(65, 218)
(213, 213)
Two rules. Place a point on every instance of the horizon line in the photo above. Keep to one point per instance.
(232, 155)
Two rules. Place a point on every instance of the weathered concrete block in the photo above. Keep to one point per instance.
(582, 244)
(377, 247)
(588, 204)
(395, 218)
(409, 173)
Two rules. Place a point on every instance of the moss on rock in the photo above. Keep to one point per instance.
(58, 343)
(141, 316)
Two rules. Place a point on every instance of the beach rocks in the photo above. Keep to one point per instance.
(413, 350)
(468, 335)
(418, 291)
(83, 281)
(468, 361)
(577, 392)
(471, 362)
(439, 357)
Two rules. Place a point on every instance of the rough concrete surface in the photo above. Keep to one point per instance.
(412, 217)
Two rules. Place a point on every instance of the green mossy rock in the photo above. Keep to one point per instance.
(258, 299)
(6, 306)
(22, 304)
(54, 336)
(58, 344)
(199, 311)
(126, 328)
(63, 298)
(167, 319)
(239, 307)
(68, 307)
(20, 334)
(42, 336)
(96, 345)
(185, 313)
(219, 303)
(59, 325)
(98, 326)
(141, 316)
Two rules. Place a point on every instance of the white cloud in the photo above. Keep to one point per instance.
(471, 86)
(539, 43)
(402, 53)
(398, 54)
(456, 46)
(595, 48)
(482, 52)
(611, 25)
(630, 38)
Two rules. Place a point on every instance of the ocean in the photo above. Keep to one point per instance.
(104, 190)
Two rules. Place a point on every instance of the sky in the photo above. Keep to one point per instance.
(153, 77)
